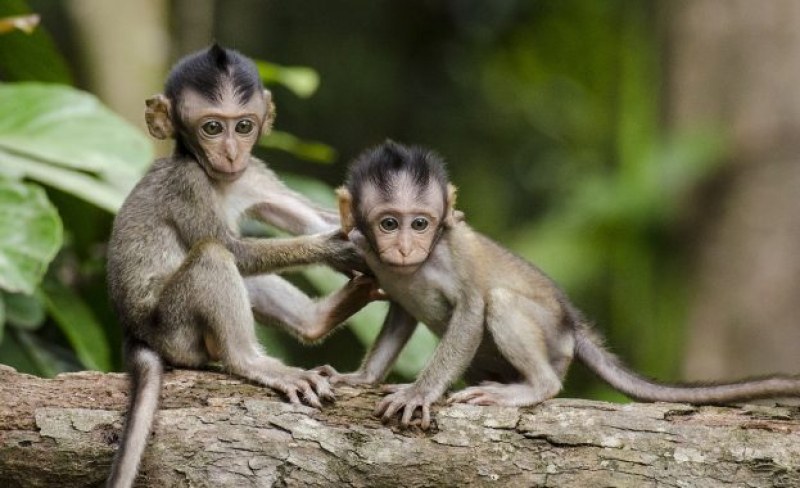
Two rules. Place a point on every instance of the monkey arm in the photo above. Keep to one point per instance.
(287, 209)
(294, 214)
(457, 347)
(397, 328)
(256, 256)
(275, 300)
(452, 356)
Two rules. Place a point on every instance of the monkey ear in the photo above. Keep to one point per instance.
(269, 115)
(451, 215)
(345, 209)
(158, 116)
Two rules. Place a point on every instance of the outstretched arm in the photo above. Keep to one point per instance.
(288, 210)
(451, 358)
(397, 329)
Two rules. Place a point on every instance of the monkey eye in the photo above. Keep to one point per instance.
(419, 224)
(244, 126)
(212, 127)
(389, 224)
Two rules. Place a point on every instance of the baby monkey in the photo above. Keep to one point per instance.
(503, 324)
(184, 283)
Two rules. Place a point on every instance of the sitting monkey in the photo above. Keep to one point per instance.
(503, 324)
(184, 283)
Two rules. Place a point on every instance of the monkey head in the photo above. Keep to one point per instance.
(216, 108)
(400, 201)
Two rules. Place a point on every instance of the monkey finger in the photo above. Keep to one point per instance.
(483, 399)
(462, 396)
(391, 409)
(426, 416)
(291, 393)
(309, 396)
(408, 413)
(378, 294)
(321, 387)
(326, 370)
(394, 388)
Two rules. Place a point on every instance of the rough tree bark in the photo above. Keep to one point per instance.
(217, 431)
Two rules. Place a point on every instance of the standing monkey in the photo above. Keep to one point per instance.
(503, 324)
(184, 283)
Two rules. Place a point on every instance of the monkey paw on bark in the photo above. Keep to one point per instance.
(355, 378)
(293, 382)
(406, 398)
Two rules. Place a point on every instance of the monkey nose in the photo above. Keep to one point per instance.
(231, 150)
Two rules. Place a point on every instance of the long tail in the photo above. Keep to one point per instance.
(146, 371)
(589, 349)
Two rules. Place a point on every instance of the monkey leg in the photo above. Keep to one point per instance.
(274, 299)
(204, 314)
(519, 327)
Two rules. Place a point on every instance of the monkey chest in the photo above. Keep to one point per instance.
(426, 302)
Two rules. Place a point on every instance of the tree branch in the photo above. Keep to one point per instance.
(214, 430)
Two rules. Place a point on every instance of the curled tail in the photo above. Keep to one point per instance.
(146, 371)
(589, 349)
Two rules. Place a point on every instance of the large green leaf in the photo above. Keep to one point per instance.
(24, 311)
(79, 324)
(93, 190)
(69, 128)
(30, 235)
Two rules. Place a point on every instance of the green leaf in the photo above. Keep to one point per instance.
(93, 190)
(68, 128)
(301, 80)
(79, 324)
(42, 354)
(24, 311)
(31, 56)
(308, 150)
(30, 235)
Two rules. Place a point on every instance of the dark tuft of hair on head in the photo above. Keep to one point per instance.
(207, 71)
(380, 166)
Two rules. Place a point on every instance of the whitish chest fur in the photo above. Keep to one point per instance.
(428, 294)
(237, 197)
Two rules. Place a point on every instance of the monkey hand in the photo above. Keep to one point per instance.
(353, 379)
(293, 382)
(343, 255)
(370, 285)
(406, 398)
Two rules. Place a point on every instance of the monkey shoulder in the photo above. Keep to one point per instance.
(495, 269)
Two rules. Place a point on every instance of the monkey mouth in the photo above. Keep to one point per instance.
(403, 267)
(223, 175)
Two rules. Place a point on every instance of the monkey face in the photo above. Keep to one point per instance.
(404, 226)
(221, 134)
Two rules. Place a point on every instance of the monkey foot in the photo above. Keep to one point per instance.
(294, 383)
(406, 399)
(337, 378)
(493, 393)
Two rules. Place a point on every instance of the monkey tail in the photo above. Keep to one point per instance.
(590, 350)
(146, 371)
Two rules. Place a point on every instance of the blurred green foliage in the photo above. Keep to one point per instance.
(548, 112)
